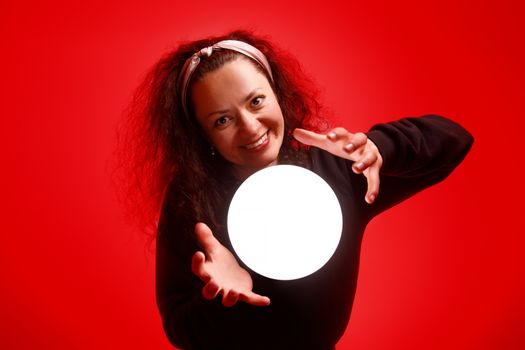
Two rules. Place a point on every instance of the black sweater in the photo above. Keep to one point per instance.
(311, 312)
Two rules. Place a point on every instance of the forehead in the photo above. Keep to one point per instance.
(234, 80)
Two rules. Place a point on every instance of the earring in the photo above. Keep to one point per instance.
(212, 151)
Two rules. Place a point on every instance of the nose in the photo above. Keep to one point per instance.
(249, 125)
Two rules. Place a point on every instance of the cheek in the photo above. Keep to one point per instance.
(280, 121)
(276, 116)
(222, 140)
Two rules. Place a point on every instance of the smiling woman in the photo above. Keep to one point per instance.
(209, 115)
(244, 124)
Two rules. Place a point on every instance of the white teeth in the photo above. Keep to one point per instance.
(258, 142)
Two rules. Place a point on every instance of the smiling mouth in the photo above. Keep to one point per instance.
(259, 142)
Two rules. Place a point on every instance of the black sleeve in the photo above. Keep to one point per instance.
(189, 321)
(417, 153)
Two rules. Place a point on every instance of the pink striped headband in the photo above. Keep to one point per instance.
(235, 45)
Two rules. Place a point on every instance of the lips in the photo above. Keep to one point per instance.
(263, 139)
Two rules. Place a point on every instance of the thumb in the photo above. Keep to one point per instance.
(205, 238)
(197, 266)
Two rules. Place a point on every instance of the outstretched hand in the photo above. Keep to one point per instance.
(356, 147)
(221, 273)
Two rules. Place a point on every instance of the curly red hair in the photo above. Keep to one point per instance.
(158, 144)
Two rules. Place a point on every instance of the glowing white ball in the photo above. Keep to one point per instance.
(285, 222)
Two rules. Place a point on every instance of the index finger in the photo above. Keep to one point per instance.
(309, 137)
(321, 141)
(197, 266)
(254, 299)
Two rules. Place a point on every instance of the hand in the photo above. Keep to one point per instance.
(356, 147)
(219, 270)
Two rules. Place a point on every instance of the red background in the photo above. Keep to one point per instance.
(444, 270)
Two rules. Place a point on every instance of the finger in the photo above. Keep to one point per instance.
(357, 141)
(205, 238)
(210, 290)
(230, 298)
(197, 266)
(320, 141)
(372, 179)
(362, 163)
(309, 137)
(338, 133)
(254, 299)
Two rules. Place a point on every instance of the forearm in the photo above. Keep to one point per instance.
(417, 153)
(190, 322)
(420, 146)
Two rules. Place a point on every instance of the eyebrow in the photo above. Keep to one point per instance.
(248, 97)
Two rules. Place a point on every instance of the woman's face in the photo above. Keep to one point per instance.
(239, 113)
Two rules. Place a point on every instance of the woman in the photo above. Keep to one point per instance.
(212, 113)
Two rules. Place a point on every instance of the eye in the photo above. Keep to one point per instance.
(222, 122)
(257, 101)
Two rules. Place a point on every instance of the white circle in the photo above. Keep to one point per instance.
(285, 222)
